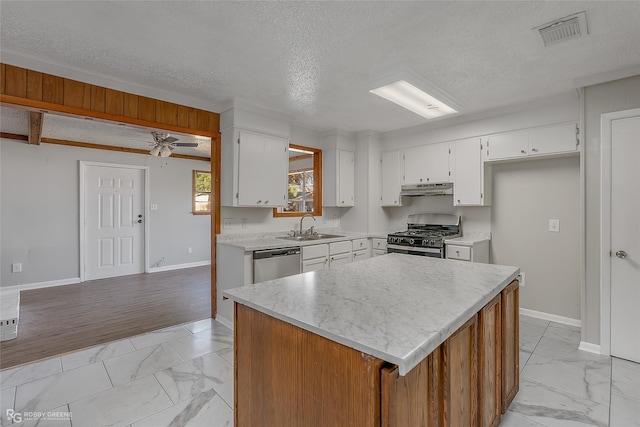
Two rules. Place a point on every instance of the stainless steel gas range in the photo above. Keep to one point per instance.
(425, 235)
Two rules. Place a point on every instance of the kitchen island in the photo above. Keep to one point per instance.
(396, 340)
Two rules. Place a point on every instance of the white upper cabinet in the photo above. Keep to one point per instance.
(508, 145)
(426, 164)
(541, 141)
(470, 187)
(392, 178)
(338, 178)
(553, 139)
(254, 169)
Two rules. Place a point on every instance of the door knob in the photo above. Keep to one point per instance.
(621, 254)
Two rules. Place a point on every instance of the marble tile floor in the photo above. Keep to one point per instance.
(183, 376)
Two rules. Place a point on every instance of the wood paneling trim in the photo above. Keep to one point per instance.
(147, 109)
(77, 94)
(14, 136)
(215, 219)
(98, 146)
(98, 99)
(114, 102)
(34, 85)
(15, 81)
(3, 78)
(41, 105)
(130, 106)
(52, 90)
(35, 127)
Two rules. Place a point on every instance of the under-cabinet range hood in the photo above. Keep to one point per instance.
(436, 189)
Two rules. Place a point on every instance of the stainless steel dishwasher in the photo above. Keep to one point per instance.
(275, 263)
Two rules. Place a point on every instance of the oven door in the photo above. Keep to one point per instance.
(416, 250)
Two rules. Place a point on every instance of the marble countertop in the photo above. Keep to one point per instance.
(272, 240)
(469, 239)
(396, 307)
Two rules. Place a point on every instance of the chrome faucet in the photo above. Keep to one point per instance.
(303, 217)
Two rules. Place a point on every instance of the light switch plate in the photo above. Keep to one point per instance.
(554, 225)
(16, 267)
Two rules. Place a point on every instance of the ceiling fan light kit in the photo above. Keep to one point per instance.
(165, 143)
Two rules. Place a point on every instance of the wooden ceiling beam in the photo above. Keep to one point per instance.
(99, 146)
(35, 127)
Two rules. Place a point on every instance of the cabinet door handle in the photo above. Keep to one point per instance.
(395, 201)
(266, 202)
(523, 152)
(259, 201)
(535, 150)
(458, 200)
(343, 202)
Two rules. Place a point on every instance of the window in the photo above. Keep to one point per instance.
(201, 192)
(305, 183)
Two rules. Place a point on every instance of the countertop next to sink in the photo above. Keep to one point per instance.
(396, 307)
(256, 242)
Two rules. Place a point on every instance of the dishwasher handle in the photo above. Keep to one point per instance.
(272, 253)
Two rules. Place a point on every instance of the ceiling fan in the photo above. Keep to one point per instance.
(164, 144)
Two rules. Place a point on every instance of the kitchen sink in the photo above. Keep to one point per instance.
(310, 237)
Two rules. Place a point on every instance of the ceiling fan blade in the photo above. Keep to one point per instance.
(169, 139)
(185, 144)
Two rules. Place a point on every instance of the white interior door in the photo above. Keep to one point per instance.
(625, 238)
(114, 230)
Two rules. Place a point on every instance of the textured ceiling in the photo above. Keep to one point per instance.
(316, 61)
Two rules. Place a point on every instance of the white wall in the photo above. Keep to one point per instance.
(39, 199)
(598, 99)
(527, 195)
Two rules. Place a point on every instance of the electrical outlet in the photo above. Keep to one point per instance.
(154, 207)
(189, 250)
(227, 222)
(16, 267)
(244, 222)
(554, 225)
(521, 279)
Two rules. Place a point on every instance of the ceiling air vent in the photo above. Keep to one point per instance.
(570, 27)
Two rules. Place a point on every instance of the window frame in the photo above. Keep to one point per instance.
(194, 192)
(317, 185)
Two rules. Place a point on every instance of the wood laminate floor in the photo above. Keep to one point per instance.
(62, 319)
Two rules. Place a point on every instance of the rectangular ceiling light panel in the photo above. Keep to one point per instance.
(413, 99)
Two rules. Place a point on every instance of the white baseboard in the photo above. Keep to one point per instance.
(39, 285)
(591, 348)
(226, 322)
(551, 317)
(179, 266)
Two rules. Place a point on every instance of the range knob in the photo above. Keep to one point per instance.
(412, 241)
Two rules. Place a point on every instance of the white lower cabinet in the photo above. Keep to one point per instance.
(469, 251)
(315, 257)
(360, 248)
(340, 253)
(378, 246)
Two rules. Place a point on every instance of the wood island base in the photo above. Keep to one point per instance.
(287, 376)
